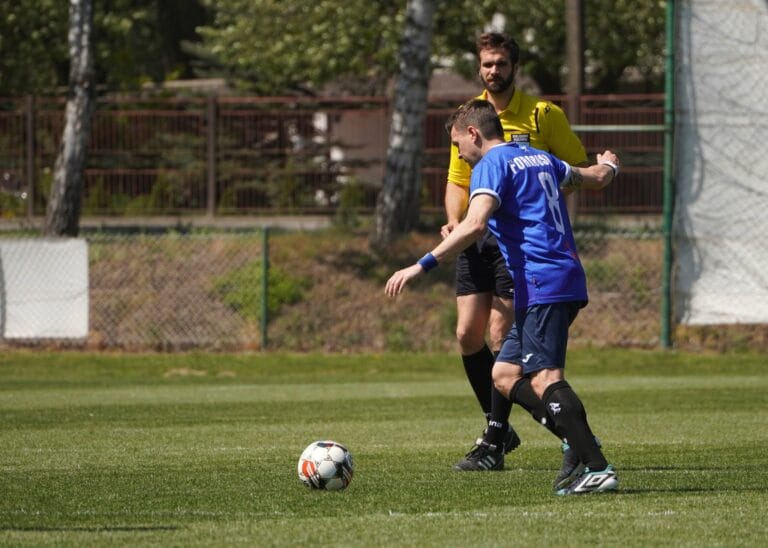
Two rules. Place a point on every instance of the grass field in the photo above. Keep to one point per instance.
(201, 449)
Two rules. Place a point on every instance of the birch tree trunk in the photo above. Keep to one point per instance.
(397, 207)
(63, 213)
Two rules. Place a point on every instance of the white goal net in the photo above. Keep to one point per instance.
(721, 142)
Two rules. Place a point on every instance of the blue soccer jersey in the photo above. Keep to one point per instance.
(531, 223)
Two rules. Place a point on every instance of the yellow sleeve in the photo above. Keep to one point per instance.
(459, 171)
(558, 135)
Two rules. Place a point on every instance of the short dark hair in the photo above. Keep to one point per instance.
(498, 40)
(478, 113)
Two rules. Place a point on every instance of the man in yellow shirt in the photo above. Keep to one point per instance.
(484, 288)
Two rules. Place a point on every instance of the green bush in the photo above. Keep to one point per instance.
(241, 289)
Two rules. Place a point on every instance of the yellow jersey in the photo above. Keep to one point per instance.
(529, 121)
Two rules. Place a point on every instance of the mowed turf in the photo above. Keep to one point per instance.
(201, 449)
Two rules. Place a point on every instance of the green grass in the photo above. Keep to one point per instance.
(201, 449)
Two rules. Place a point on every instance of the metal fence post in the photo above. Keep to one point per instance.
(669, 196)
(264, 286)
(30, 154)
(210, 117)
(574, 51)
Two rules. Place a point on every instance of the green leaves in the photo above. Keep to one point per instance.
(134, 41)
(277, 47)
(301, 46)
(273, 47)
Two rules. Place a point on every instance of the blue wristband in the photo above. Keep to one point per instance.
(428, 262)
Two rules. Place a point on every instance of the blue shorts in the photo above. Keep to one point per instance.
(539, 337)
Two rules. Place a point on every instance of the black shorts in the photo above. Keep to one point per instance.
(481, 269)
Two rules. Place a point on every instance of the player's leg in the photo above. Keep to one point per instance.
(478, 366)
(522, 394)
(472, 312)
(545, 339)
(503, 313)
(567, 411)
(474, 287)
(500, 320)
(488, 452)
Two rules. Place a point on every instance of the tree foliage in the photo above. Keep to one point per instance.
(624, 43)
(140, 41)
(134, 41)
(282, 46)
(274, 47)
(33, 45)
(279, 46)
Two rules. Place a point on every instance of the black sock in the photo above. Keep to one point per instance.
(567, 412)
(523, 395)
(478, 368)
(498, 422)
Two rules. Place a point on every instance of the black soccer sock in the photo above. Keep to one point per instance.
(498, 422)
(567, 412)
(478, 368)
(522, 394)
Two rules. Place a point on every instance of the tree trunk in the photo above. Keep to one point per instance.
(63, 213)
(574, 83)
(397, 207)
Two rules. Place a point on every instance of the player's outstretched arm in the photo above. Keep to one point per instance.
(469, 230)
(594, 177)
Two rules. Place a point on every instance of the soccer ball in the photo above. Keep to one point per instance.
(326, 465)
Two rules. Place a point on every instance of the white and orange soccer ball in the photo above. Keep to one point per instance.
(326, 465)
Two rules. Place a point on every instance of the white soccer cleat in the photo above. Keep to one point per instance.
(599, 481)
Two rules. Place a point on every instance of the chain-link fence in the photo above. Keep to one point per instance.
(171, 291)
(624, 269)
(175, 292)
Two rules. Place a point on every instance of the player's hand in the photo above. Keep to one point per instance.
(447, 229)
(608, 156)
(399, 279)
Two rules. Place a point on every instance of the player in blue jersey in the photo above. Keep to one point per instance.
(516, 193)
(484, 288)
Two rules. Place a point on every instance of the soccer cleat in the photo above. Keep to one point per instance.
(511, 439)
(483, 457)
(571, 468)
(599, 481)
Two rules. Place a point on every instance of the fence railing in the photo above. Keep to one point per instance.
(236, 155)
(303, 291)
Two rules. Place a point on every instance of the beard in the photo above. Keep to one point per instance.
(498, 85)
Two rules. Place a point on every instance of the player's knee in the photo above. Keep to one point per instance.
(541, 380)
(504, 380)
(469, 340)
(539, 386)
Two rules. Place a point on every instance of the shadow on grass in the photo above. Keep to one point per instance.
(90, 529)
(681, 490)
